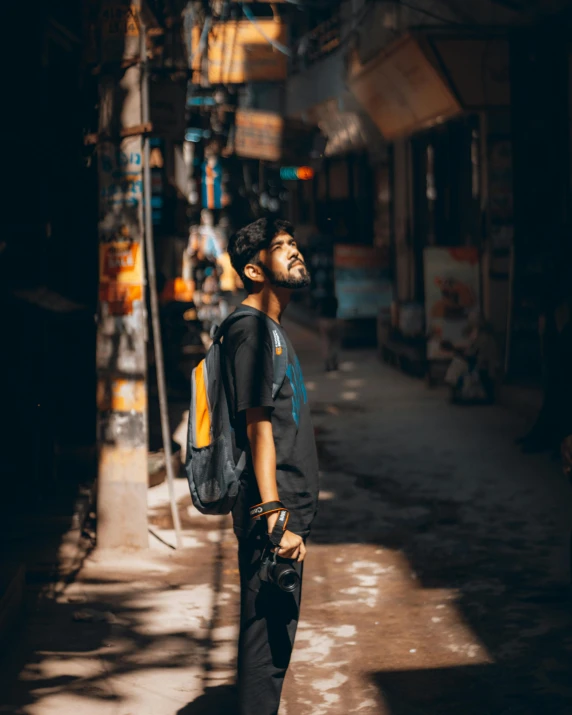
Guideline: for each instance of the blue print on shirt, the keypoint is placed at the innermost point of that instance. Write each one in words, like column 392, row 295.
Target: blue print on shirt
column 299, row 395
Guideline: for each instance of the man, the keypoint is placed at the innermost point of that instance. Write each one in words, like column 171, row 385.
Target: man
column 283, row 466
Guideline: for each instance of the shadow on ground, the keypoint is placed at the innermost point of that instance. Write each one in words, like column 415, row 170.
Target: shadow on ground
column 221, row 699
column 89, row 649
column 483, row 551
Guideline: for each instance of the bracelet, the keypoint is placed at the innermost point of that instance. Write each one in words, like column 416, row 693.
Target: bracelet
column 269, row 507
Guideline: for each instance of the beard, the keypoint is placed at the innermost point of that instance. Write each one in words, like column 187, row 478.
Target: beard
column 290, row 282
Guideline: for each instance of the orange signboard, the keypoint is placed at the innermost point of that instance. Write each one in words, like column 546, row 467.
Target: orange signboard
column 305, row 173
column 121, row 262
column 402, row 90
column 121, row 395
column 259, row 135
column 120, row 297
column 240, row 51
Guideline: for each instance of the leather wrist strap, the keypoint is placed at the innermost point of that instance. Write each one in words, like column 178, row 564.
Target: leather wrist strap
column 280, row 527
column 269, row 507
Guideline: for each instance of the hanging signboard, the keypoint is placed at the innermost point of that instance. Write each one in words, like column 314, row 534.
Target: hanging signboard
column 212, row 190
column 241, row 51
column 296, row 173
column 267, row 136
column 452, row 278
column 402, row 91
column 363, row 282
column 259, row 135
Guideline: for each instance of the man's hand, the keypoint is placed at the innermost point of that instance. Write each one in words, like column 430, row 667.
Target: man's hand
column 292, row 547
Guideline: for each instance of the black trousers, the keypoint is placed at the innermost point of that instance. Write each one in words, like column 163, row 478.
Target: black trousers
column 268, row 623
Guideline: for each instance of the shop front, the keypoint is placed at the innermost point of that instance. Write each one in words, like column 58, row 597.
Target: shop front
column 337, row 218
column 435, row 98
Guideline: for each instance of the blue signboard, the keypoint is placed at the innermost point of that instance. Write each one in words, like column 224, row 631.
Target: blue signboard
column 363, row 281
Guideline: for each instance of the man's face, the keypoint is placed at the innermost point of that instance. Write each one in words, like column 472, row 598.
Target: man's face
column 283, row 263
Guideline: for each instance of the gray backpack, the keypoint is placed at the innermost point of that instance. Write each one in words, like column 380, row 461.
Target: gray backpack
column 213, row 473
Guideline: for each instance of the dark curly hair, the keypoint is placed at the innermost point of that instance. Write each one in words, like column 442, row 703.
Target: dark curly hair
column 245, row 245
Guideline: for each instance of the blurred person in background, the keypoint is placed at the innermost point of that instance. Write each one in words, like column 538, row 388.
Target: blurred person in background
column 474, row 369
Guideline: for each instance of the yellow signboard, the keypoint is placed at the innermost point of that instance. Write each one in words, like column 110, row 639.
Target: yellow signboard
column 240, row 51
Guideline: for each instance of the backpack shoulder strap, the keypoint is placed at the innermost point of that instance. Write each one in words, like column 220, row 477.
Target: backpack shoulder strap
column 279, row 357
column 279, row 347
column 227, row 322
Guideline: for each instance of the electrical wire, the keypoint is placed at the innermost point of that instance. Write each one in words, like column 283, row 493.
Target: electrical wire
column 358, row 18
column 204, row 37
column 277, row 45
column 310, row 4
column 189, row 22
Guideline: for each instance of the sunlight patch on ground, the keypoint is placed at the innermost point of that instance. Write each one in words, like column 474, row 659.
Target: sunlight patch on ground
column 354, row 382
column 347, row 366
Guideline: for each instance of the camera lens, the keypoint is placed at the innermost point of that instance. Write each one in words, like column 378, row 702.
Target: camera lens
column 286, row 578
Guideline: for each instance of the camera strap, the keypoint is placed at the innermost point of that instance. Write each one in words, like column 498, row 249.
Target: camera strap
column 279, row 528
column 269, row 507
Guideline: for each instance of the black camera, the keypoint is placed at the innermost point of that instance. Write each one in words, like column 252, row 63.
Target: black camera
column 278, row 573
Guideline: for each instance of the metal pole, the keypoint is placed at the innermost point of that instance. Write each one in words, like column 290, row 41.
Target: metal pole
column 152, row 282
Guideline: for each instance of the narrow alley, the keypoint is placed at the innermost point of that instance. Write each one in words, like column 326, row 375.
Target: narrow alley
column 436, row 582
column 394, row 179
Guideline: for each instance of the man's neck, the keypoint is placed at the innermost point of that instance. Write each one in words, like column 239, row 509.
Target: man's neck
column 272, row 302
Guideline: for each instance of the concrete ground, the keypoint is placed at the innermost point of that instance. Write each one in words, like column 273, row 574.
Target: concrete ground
column 436, row 580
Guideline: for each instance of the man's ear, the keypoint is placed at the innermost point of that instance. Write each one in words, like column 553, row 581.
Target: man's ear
column 254, row 273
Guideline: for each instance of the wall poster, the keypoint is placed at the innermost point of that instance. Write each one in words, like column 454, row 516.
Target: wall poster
column 452, row 280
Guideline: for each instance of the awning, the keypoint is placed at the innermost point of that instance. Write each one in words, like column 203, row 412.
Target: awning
column 344, row 131
column 346, row 127
column 477, row 69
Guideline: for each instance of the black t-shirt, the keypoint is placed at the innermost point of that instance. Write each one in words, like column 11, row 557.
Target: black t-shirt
column 249, row 373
